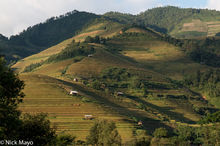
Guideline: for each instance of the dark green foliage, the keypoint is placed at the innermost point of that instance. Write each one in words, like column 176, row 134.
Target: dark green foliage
column 41, row 36
column 31, row 67
column 13, row 53
column 74, row 49
column 54, row 30
column 104, row 132
column 208, row 82
column 190, row 34
column 10, row 96
column 65, row 140
column 120, row 17
column 116, row 74
column 160, row 132
column 96, row 39
column 204, row 135
column 141, row 139
column 3, row 38
column 37, row 128
column 10, row 86
column 207, row 135
column 187, row 135
column 164, row 19
column 133, row 36
column 114, row 79
column 9, row 122
column 217, row 34
column 204, row 51
column 34, row 128
column 211, row 118
column 210, row 135
column 120, row 79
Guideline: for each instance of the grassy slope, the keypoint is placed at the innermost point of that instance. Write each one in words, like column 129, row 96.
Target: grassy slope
column 47, row 94
column 195, row 28
column 96, row 28
column 178, row 22
column 148, row 58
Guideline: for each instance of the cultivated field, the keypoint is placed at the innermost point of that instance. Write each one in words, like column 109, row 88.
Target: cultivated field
column 47, row 87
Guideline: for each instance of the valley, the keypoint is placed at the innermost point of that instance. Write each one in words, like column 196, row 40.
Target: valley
column 140, row 75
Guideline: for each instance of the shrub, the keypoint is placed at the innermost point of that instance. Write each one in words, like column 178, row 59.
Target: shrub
column 160, row 132
column 104, row 132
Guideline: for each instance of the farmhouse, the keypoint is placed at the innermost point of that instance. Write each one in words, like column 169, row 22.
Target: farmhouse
column 88, row 117
column 140, row 123
column 74, row 92
column 120, row 93
column 75, row 80
column 90, row 55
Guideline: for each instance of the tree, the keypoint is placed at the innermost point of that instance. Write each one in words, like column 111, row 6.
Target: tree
column 10, row 96
column 10, row 86
column 104, row 132
column 65, row 140
column 37, row 128
column 9, row 122
column 34, row 128
column 160, row 132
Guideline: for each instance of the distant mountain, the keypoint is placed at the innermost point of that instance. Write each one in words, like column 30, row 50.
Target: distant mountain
column 44, row 35
column 178, row 22
column 54, row 30
column 3, row 38
column 174, row 21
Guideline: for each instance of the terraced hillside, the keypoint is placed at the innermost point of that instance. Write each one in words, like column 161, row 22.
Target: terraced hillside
column 103, row 28
column 197, row 28
column 66, row 112
column 133, row 61
column 177, row 22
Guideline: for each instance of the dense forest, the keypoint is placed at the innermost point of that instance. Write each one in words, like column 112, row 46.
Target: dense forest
column 164, row 19
column 43, row 35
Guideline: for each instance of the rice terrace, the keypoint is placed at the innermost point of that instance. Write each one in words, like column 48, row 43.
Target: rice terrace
column 81, row 78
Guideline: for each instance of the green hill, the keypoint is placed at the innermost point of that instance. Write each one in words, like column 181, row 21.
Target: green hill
column 138, row 62
column 43, row 35
column 123, row 71
column 178, row 22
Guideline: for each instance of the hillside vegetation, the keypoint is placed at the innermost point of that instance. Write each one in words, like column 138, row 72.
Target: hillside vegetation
column 178, row 22
column 43, row 35
column 137, row 62
column 154, row 89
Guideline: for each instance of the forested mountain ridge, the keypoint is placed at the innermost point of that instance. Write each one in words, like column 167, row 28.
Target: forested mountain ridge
column 53, row 30
column 174, row 21
column 179, row 22
column 43, row 35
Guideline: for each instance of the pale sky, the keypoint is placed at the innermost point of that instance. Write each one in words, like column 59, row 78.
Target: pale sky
column 17, row 15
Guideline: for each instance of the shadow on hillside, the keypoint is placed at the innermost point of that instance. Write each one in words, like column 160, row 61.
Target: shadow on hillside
column 164, row 110
column 149, row 124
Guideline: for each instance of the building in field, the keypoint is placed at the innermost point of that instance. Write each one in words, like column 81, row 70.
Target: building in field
column 74, row 92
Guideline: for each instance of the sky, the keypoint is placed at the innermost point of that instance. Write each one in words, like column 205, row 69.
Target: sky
column 17, row 15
